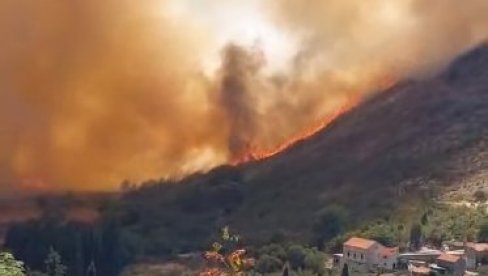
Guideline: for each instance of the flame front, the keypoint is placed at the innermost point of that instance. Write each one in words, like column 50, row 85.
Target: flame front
column 253, row 153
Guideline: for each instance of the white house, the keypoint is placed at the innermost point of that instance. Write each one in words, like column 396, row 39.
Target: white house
column 363, row 255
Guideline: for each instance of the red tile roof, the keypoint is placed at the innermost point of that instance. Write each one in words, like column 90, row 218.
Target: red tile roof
column 479, row 247
column 359, row 243
column 448, row 258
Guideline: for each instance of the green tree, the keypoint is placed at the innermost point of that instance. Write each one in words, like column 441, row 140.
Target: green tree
column 329, row 224
column 382, row 232
column 274, row 250
column 268, row 264
column 415, row 236
column 483, row 232
column 296, row 256
column 9, row 266
column 315, row 261
column 54, row 266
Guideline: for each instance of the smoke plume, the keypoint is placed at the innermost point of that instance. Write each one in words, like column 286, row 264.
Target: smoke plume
column 95, row 92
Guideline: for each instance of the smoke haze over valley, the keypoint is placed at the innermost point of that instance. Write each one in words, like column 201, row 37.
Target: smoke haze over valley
column 96, row 92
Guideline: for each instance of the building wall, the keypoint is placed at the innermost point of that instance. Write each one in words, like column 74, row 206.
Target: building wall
column 389, row 263
column 355, row 254
column 470, row 258
column 455, row 269
column 357, row 259
column 373, row 256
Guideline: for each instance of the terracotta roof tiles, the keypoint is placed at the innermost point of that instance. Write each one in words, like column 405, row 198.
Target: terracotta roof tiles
column 479, row 247
column 359, row 243
column 448, row 258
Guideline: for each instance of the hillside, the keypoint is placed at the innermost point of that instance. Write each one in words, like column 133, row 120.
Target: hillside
column 418, row 138
column 418, row 135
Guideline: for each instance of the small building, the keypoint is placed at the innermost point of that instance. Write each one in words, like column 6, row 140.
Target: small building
column 476, row 255
column 363, row 255
column 338, row 260
column 455, row 265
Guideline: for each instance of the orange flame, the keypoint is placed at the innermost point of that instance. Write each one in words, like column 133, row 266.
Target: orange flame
column 253, row 153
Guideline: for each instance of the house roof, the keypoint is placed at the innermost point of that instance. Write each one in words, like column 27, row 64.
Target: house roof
column 359, row 243
column 479, row 247
column 449, row 258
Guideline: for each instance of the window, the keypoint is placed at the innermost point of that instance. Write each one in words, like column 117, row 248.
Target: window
column 354, row 255
column 349, row 254
column 362, row 256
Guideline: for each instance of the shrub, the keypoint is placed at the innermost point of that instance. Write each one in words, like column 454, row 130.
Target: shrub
column 274, row 250
column 315, row 261
column 9, row 266
column 54, row 267
column 296, row 256
column 480, row 196
column 483, row 232
column 382, row 232
column 268, row 264
column 329, row 224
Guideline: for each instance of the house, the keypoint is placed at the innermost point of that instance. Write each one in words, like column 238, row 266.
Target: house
column 359, row 254
column 476, row 255
column 363, row 255
column 454, row 265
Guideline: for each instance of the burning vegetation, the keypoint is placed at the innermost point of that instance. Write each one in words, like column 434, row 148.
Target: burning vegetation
column 253, row 153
